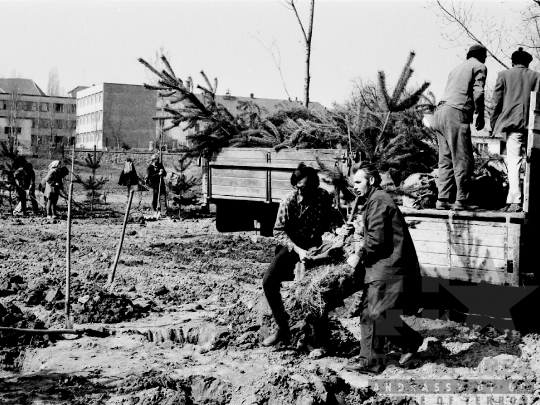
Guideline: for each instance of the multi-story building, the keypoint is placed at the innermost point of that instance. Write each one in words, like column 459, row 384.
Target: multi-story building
column 115, row 116
column 29, row 117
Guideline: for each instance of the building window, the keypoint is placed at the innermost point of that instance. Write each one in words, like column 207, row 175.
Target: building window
column 44, row 107
column 482, row 148
column 12, row 130
column 3, row 105
column 58, row 108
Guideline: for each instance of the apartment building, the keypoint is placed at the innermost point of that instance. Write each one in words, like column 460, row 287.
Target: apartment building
column 113, row 116
column 30, row 117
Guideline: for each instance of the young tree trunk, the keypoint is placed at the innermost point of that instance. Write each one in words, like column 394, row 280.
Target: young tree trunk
column 308, row 53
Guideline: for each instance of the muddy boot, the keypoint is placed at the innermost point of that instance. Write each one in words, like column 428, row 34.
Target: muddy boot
column 282, row 334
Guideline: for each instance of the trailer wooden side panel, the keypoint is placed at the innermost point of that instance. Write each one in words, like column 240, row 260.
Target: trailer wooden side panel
column 259, row 174
column 465, row 249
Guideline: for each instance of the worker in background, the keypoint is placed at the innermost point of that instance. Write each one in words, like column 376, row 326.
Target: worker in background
column 155, row 174
column 30, row 186
column 304, row 215
column 128, row 177
column 510, row 118
column 392, row 275
column 463, row 96
column 54, row 185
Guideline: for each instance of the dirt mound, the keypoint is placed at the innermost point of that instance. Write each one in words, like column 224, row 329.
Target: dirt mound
column 102, row 307
column 12, row 344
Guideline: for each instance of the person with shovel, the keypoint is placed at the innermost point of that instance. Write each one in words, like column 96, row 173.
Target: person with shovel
column 387, row 258
column 304, row 215
column 155, row 178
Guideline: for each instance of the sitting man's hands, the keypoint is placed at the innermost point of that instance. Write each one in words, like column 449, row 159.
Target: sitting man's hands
column 353, row 260
column 346, row 229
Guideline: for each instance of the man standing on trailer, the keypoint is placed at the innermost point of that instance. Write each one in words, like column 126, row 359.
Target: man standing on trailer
column 463, row 96
column 304, row 215
column 392, row 276
column 510, row 118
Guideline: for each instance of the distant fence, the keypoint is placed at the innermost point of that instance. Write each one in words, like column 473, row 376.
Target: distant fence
column 168, row 158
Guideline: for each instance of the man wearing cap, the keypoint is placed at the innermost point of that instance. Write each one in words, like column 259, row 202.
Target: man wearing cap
column 510, row 118
column 463, row 96
column 155, row 174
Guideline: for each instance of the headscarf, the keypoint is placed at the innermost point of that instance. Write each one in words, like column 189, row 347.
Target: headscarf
column 155, row 156
column 54, row 165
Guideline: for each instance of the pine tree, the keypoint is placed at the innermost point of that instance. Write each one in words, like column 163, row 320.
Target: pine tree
column 92, row 184
column 401, row 99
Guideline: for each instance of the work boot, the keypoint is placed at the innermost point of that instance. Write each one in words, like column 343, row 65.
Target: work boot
column 443, row 205
column 514, row 207
column 463, row 206
column 282, row 334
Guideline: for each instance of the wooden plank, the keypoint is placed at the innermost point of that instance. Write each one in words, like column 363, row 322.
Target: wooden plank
column 474, row 230
column 305, row 154
column 242, row 153
column 430, row 247
column 516, row 256
column 281, row 184
column 494, row 215
column 243, row 173
column 480, row 263
column 230, row 164
column 426, row 225
column 439, row 259
column 428, row 235
column 239, row 182
column 241, row 198
column 489, row 252
column 238, row 191
column 465, row 274
column 477, row 239
column 531, row 192
column 282, row 175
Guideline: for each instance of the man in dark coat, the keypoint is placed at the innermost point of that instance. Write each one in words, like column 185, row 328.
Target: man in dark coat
column 463, row 96
column 510, row 118
column 392, row 276
column 155, row 178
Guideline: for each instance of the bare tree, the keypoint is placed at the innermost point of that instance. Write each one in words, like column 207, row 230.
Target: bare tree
column 307, row 39
column 16, row 108
column 530, row 28
column 465, row 24
column 53, row 85
column 273, row 49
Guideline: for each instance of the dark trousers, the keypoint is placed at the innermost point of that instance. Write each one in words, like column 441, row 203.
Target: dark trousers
column 162, row 203
column 456, row 160
column 281, row 269
column 382, row 304
column 21, row 194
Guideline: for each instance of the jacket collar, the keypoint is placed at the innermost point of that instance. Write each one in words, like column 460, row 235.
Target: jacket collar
column 371, row 192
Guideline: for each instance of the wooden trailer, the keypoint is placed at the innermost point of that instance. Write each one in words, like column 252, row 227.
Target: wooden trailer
column 483, row 246
column 247, row 184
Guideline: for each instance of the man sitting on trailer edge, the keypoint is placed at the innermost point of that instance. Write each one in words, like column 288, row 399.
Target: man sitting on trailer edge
column 392, row 276
column 304, row 215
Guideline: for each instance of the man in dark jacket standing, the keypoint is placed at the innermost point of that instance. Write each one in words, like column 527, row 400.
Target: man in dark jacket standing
column 510, row 118
column 392, row 276
column 463, row 96
column 155, row 174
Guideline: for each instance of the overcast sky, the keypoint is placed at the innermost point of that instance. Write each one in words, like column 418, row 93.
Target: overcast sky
column 92, row 42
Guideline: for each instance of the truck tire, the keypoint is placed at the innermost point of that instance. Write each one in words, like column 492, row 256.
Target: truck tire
column 233, row 216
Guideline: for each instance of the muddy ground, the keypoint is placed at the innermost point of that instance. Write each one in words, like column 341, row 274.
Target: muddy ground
column 182, row 324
